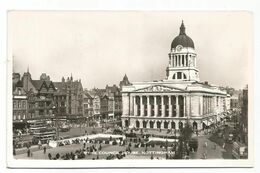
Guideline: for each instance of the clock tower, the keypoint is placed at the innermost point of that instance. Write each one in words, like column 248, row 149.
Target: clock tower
column 182, row 59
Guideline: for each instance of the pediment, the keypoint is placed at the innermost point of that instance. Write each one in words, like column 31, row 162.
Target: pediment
column 159, row 88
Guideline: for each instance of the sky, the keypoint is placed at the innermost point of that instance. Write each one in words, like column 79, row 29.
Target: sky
column 100, row 47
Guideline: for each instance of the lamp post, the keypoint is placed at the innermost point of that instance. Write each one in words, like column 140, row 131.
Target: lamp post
column 56, row 122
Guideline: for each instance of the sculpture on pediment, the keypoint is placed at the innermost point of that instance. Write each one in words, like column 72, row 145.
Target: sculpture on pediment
column 157, row 89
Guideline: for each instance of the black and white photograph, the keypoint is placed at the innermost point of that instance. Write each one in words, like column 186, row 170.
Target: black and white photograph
column 131, row 85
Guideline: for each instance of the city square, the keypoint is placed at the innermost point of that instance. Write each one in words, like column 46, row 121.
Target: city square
column 179, row 116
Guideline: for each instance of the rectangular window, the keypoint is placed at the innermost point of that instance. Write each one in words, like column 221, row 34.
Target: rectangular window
column 14, row 104
column 179, row 75
column 24, row 104
column 19, row 104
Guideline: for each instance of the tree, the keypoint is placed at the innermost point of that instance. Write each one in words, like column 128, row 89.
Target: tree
column 185, row 136
column 186, row 132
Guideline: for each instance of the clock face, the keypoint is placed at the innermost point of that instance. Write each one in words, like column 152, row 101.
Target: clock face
column 179, row 48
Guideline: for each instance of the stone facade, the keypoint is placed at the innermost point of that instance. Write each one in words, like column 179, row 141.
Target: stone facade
column 170, row 103
column 72, row 93
column 20, row 102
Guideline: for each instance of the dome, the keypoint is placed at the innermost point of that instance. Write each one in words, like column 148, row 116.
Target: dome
column 182, row 39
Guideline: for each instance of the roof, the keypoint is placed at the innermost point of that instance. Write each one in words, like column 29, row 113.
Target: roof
column 59, row 87
column 112, row 89
column 182, row 39
column 19, row 84
column 38, row 83
column 86, row 94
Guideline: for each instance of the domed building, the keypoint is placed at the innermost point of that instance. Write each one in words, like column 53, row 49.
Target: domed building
column 177, row 99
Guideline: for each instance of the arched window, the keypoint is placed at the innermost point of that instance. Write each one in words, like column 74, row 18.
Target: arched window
column 174, row 76
column 158, row 124
column 137, row 124
column 179, row 75
column 180, row 125
column 184, row 76
column 151, row 124
column 144, row 124
column 165, row 125
column 173, row 125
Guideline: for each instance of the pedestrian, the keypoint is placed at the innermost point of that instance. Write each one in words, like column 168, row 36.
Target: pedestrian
column 28, row 152
column 39, row 144
column 204, row 155
column 206, row 144
column 44, row 149
column 215, row 147
column 224, row 144
column 49, row 156
column 14, row 152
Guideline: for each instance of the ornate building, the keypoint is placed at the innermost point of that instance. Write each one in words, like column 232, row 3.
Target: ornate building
column 87, row 105
column 40, row 96
column 180, row 97
column 20, row 102
column 69, row 97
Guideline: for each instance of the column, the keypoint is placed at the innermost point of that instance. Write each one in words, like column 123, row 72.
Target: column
column 148, row 106
column 177, row 106
column 141, row 106
column 208, row 105
column 184, row 60
column 155, row 107
column 135, row 106
column 176, row 125
column 170, row 106
column 173, row 59
column 163, row 107
column 131, row 106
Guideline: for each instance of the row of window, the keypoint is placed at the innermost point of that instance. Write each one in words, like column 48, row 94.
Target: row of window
column 19, row 117
column 157, row 124
column 160, row 111
column 180, row 60
column 166, row 100
column 19, row 104
column 207, row 105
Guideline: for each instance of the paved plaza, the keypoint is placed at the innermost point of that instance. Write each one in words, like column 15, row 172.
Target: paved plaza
column 213, row 150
